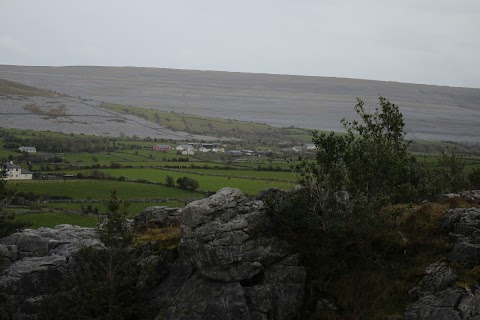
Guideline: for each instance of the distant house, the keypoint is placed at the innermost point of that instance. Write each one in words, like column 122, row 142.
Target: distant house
column 184, row 147
column 15, row 172
column 162, row 147
column 27, row 149
column 248, row 152
column 203, row 149
column 235, row 152
column 309, row 147
column 188, row 152
column 218, row 149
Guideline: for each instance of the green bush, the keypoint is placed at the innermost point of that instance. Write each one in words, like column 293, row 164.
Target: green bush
column 188, row 183
column 341, row 217
column 474, row 179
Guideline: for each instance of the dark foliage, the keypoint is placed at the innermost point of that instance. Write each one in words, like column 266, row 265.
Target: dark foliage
column 188, row 183
column 108, row 282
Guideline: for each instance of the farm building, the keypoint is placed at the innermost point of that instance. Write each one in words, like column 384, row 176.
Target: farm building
column 203, row 149
column 15, row 172
column 162, row 147
column 184, row 147
column 188, row 152
column 27, row 149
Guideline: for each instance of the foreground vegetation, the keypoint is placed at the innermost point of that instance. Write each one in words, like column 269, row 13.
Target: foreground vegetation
column 356, row 218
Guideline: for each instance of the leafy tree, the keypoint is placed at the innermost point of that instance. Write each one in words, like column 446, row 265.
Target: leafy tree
column 338, row 208
column 450, row 173
column 169, row 181
column 369, row 165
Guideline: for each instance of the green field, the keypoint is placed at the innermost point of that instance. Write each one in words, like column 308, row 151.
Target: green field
column 51, row 219
column 212, row 126
column 207, row 182
column 133, row 208
column 100, row 189
column 266, row 175
column 10, row 87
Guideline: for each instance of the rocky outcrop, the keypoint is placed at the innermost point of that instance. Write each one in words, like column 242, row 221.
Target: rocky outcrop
column 32, row 261
column 228, row 264
column 471, row 196
column 437, row 300
column 158, row 217
column 464, row 227
column 239, row 270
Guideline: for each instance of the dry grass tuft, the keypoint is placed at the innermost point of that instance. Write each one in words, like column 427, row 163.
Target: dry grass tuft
column 166, row 238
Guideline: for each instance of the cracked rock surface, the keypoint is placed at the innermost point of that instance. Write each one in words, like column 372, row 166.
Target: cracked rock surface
column 228, row 264
column 32, row 260
column 438, row 301
column 238, row 268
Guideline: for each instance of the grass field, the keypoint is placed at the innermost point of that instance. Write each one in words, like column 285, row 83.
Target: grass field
column 15, row 88
column 207, row 183
column 267, row 175
column 212, row 126
column 100, row 189
column 133, row 207
column 51, row 219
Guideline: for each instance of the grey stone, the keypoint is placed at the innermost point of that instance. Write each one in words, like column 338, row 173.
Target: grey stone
column 227, row 266
column 439, row 276
column 39, row 258
column 203, row 299
column 157, row 216
column 225, row 238
column 437, row 300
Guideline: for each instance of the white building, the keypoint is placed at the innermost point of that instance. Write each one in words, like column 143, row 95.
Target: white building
column 188, row 152
column 203, row 149
column 218, row 149
column 27, row 149
column 15, row 172
column 184, row 147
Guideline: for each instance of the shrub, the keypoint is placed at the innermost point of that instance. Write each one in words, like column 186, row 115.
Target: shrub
column 188, row 183
column 474, row 179
column 169, row 181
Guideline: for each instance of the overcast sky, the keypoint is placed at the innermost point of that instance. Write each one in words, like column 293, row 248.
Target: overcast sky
column 418, row 41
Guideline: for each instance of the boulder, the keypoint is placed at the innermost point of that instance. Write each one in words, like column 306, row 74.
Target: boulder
column 438, row 301
column 37, row 260
column 439, row 276
column 157, row 216
column 239, row 269
column 226, row 236
column 464, row 228
column 201, row 298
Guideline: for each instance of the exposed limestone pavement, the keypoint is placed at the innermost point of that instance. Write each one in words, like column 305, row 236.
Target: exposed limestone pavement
column 228, row 264
column 239, row 270
column 33, row 260
column 438, row 300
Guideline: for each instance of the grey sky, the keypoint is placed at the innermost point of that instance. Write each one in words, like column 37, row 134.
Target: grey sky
column 419, row 41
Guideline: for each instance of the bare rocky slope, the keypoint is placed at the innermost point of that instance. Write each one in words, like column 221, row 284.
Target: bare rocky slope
column 28, row 108
column 430, row 112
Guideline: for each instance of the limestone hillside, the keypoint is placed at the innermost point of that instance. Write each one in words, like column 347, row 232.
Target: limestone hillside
column 430, row 112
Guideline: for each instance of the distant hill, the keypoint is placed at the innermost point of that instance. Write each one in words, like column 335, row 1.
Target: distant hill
column 431, row 112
